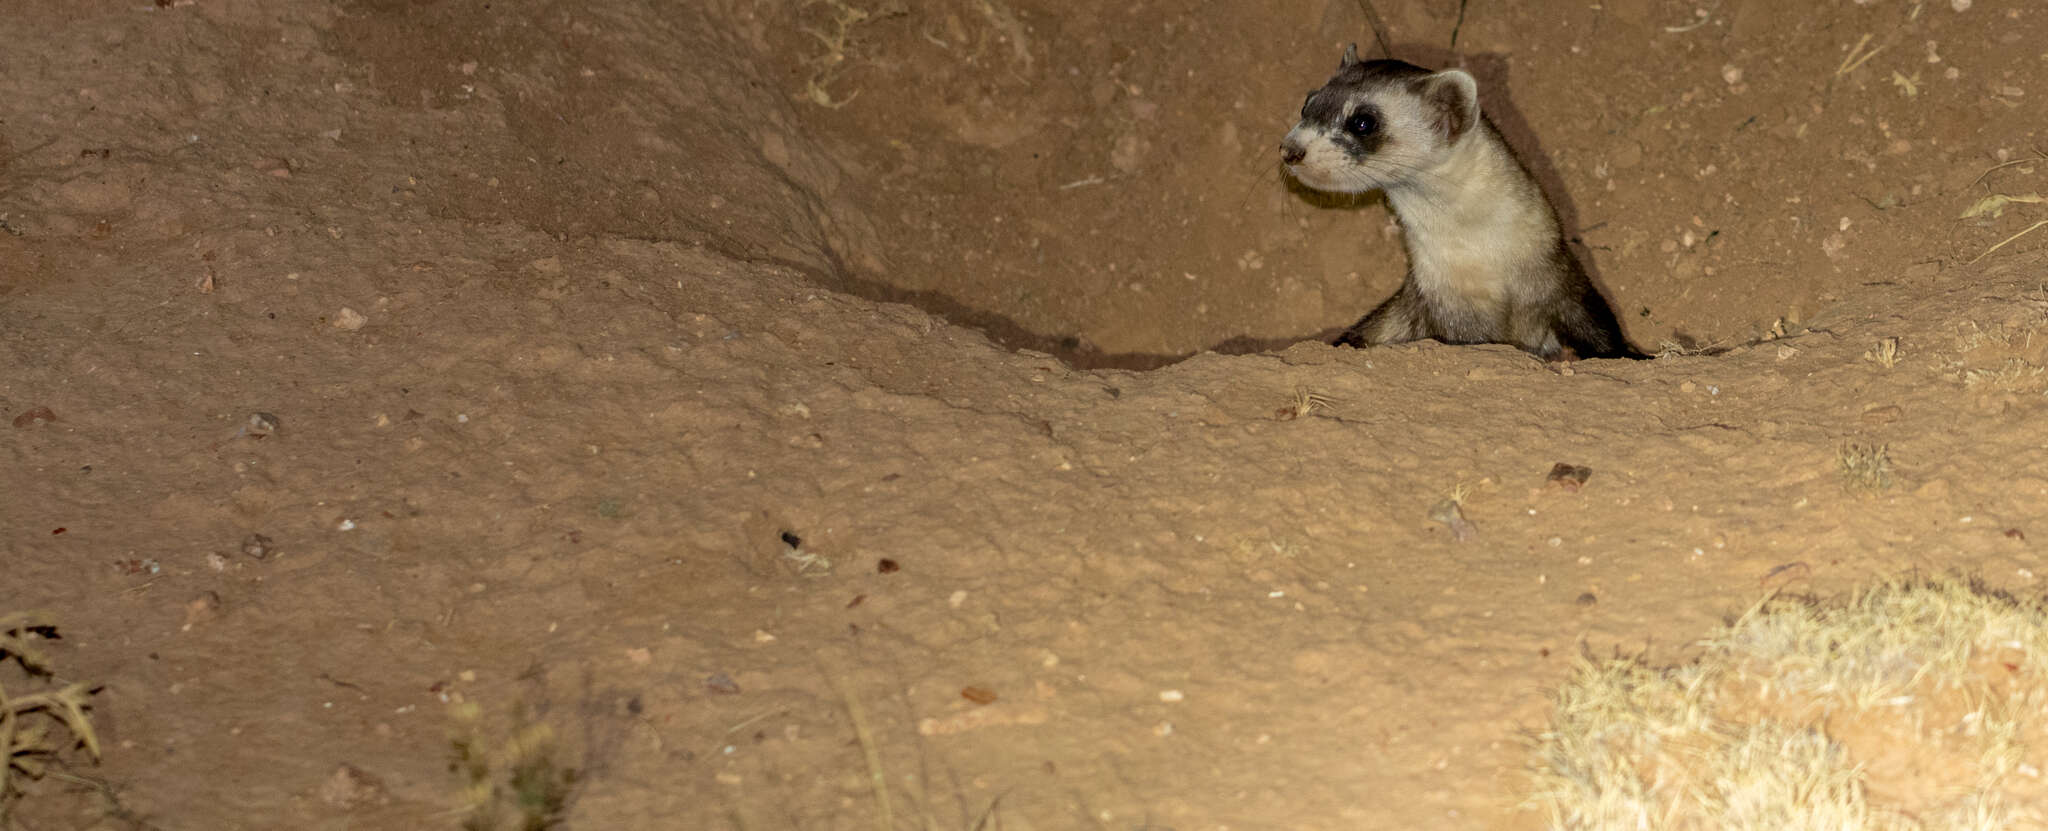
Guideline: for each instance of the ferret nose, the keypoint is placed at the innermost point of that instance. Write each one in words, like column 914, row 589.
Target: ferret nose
column 1292, row 154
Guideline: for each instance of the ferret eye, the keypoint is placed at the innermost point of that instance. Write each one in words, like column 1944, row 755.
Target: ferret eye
column 1305, row 102
column 1362, row 123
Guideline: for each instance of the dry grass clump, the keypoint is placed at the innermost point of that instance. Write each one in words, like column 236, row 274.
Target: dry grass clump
column 1306, row 403
column 1864, row 467
column 1996, row 359
column 1916, row 704
column 513, row 782
column 35, row 728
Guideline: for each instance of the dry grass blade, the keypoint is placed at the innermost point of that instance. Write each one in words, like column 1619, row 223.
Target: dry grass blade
column 878, row 778
column 1857, row 57
column 1674, row 349
column 9, row 734
column 2002, row 243
column 28, row 745
column 1996, row 203
column 981, row 823
column 16, row 630
column 1306, row 402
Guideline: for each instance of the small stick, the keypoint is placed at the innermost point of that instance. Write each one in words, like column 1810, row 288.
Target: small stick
column 743, row 725
column 2037, row 157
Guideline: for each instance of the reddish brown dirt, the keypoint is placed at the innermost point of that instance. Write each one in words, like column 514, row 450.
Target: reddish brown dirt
column 569, row 312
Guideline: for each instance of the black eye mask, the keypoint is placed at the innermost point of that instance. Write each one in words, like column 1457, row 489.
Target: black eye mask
column 1363, row 122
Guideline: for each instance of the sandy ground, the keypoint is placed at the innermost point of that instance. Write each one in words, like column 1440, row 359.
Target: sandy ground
column 690, row 376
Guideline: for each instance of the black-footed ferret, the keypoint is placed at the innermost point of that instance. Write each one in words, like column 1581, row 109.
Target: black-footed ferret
column 1487, row 262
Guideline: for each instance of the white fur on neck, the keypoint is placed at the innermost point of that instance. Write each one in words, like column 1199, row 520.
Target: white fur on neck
column 1472, row 222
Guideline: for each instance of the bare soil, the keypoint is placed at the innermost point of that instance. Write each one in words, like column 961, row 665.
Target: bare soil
column 688, row 376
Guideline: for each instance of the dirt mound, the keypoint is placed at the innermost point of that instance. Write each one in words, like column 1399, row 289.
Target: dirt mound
column 401, row 355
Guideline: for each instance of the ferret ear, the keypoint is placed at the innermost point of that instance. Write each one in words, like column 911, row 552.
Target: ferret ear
column 1350, row 57
column 1454, row 97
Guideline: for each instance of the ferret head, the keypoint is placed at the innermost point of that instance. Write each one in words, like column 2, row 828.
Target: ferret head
column 1379, row 125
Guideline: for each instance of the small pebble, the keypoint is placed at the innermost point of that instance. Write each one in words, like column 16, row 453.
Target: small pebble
column 1569, row 477
column 1452, row 516
column 350, row 787
column 201, row 609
